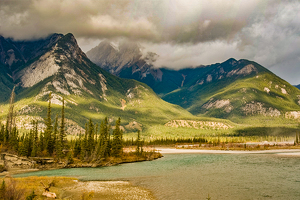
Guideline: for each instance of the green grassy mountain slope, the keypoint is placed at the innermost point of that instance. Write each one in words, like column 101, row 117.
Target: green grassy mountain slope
column 236, row 90
column 89, row 91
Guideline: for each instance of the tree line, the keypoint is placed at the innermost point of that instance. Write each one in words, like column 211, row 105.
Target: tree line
column 91, row 145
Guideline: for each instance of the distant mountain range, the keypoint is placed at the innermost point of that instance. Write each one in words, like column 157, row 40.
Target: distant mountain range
column 57, row 64
column 297, row 86
column 239, row 90
column 233, row 89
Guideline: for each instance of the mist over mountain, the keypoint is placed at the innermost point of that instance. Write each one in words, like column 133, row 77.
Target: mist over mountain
column 238, row 90
column 224, row 90
column 57, row 65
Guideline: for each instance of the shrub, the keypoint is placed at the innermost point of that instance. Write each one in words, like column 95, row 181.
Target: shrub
column 9, row 190
column 31, row 196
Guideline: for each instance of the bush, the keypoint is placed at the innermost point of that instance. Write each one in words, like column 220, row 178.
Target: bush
column 31, row 196
column 9, row 190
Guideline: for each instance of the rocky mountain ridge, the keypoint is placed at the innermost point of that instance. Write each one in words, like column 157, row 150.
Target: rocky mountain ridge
column 229, row 89
column 90, row 92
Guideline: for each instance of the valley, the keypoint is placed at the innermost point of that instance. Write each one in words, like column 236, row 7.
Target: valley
column 220, row 99
column 60, row 110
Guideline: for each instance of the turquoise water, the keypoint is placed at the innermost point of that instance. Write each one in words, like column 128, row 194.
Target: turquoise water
column 194, row 176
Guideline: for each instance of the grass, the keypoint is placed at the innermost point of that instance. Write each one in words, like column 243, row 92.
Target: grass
column 240, row 91
column 73, row 189
column 33, row 183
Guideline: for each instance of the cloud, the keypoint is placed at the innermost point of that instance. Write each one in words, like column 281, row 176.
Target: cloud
column 177, row 21
column 184, row 33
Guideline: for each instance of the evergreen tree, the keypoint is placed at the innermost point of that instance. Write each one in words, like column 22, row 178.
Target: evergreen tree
column 2, row 133
column 14, row 139
column 62, row 134
column 104, row 139
column 35, row 140
column 117, row 145
column 55, row 134
column 77, row 147
column 49, row 128
column 96, row 134
column 23, row 149
column 90, row 142
column 10, row 115
column 84, row 144
column 139, row 147
column 60, row 140
column 41, row 143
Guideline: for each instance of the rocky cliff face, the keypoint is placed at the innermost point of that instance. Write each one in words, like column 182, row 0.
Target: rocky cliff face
column 60, row 67
column 15, row 54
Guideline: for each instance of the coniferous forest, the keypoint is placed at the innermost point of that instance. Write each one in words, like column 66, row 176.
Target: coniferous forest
column 97, row 144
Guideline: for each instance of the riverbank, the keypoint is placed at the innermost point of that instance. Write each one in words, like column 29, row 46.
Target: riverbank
column 72, row 188
column 13, row 164
column 291, row 152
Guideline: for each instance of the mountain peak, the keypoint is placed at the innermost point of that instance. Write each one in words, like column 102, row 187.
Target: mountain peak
column 115, row 56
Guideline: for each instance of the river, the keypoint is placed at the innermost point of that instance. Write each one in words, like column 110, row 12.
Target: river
column 197, row 175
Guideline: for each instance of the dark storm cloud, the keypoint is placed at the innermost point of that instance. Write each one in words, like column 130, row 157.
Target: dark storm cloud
column 177, row 21
column 183, row 32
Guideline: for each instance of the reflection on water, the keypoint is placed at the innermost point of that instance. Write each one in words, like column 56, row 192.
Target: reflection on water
column 194, row 176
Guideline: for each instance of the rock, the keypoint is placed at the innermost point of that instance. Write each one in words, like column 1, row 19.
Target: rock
column 49, row 195
column 198, row 124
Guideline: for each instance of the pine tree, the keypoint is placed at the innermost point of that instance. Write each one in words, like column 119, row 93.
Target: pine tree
column 105, row 139
column 35, row 140
column 10, row 115
column 55, row 134
column 2, row 133
column 139, row 148
column 62, row 134
column 60, row 141
column 91, row 136
column 41, row 143
column 117, row 145
column 96, row 134
column 22, row 147
column 49, row 129
column 77, row 147
column 84, row 144
column 14, row 139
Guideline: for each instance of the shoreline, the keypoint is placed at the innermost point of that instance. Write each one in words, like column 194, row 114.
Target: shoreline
column 293, row 152
column 73, row 188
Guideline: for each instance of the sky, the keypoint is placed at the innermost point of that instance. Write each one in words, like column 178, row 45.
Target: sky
column 184, row 33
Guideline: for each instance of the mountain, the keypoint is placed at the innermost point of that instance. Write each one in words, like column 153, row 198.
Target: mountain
column 127, row 60
column 297, row 86
column 16, row 54
column 57, row 64
column 234, row 89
